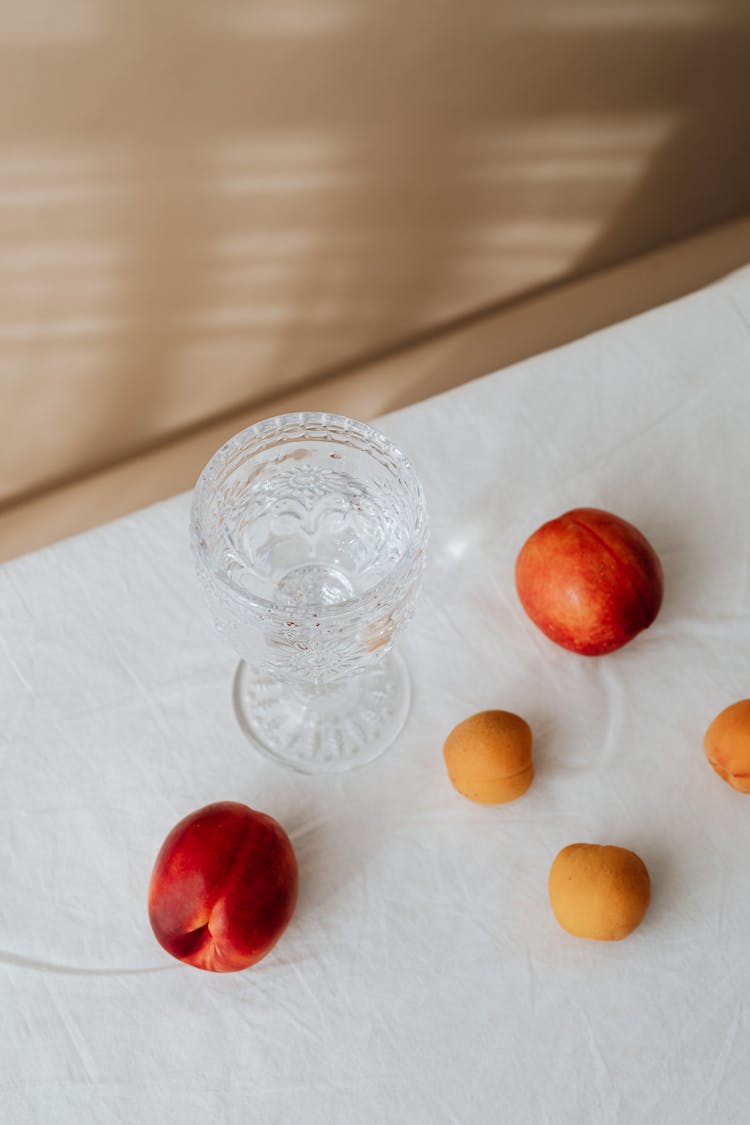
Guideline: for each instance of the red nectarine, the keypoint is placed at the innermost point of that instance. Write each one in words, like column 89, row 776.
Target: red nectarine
column 589, row 580
column 223, row 888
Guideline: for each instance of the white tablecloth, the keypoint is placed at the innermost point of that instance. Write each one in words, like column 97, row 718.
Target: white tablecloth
column 423, row 978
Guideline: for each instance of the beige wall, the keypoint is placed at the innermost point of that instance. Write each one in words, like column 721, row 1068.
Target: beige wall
column 203, row 204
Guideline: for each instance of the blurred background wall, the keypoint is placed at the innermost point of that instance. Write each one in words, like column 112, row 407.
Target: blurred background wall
column 208, row 205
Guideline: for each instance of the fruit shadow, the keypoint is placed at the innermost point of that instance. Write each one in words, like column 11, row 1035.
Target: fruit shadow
column 329, row 857
column 668, row 884
column 545, row 727
column 330, row 835
column 687, row 561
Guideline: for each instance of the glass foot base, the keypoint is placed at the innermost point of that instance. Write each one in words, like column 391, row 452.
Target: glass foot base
column 349, row 725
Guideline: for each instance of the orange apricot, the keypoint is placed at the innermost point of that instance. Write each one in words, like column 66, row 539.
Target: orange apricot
column 727, row 745
column 599, row 891
column 488, row 757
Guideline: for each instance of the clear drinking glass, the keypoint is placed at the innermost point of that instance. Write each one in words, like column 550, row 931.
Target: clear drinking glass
column 308, row 533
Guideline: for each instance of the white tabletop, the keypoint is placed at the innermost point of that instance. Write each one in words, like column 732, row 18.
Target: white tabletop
column 423, row 978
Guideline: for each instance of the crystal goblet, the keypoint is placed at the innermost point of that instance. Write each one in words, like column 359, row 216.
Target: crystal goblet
column 308, row 532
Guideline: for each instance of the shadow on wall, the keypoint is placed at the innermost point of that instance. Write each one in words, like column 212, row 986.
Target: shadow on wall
column 700, row 174
column 202, row 205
